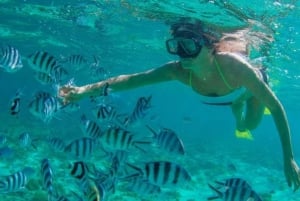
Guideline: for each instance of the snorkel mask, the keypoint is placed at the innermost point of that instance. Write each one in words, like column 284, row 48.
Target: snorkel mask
column 186, row 43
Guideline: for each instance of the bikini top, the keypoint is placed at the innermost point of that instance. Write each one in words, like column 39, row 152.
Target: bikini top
column 221, row 100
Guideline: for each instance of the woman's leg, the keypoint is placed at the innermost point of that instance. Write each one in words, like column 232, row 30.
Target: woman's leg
column 249, row 117
column 238, row 112
column 254, row 113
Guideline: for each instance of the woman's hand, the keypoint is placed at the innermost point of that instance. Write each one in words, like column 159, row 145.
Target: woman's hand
column 292, row 173
column 70, row 93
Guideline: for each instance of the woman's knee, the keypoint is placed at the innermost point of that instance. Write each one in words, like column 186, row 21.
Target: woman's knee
column 252, row 124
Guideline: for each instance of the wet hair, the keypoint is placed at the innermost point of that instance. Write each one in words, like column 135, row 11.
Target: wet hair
column 236, row 40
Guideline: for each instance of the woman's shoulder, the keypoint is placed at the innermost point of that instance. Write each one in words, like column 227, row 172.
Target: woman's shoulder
column 224, row 57
column 233, row 64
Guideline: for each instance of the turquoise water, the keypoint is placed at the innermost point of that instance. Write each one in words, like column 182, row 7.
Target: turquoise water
column 128, row 37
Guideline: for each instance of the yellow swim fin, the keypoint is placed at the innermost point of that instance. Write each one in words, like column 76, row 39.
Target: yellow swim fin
column 246, row 134
column 267, row 111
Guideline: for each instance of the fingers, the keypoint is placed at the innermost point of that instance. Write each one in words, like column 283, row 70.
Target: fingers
column 64, row 93
column 293, row 177
column 297, row 183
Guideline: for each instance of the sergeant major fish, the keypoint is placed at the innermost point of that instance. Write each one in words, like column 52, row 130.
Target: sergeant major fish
column 168, row 140
column 10, row 59
column 76, row 61
column 47, row 177
column 234, row 182
column 142, row 106
column 44, row 78
column 90, row 128
column 56, row 144
column 81, row 148
column 162, row 173
column 117, row 138
column 107, row 114
column 15, row 182
column 45, row 106
column 236, row 193
column 44, row 62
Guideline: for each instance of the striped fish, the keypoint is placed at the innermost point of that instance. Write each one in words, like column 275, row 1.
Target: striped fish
column 90, row 128
column 81, row 170
column 107, row 114
column 168, row 140
column 56, row 144
column 229, row 183
column 98, row 72
column 234, row 182
column 82, row 148
column 10, row 59
column 236, row 193
column 13, row 183
column 117, row 138
column 106, row 184
column 44, row 78
column 162, row 173
column 47, row 176
column 44, row 62
column 59, row 74
column 140, row 111
column 120, row 155
column 76, row 61
column 42, row 94
column 118, row 159
column 142, row 186
column 44, row 107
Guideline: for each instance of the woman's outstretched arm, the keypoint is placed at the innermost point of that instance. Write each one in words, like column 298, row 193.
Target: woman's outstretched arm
column 119, row 83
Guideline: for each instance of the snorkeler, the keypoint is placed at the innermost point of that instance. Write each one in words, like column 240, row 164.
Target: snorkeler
column 217, row 71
